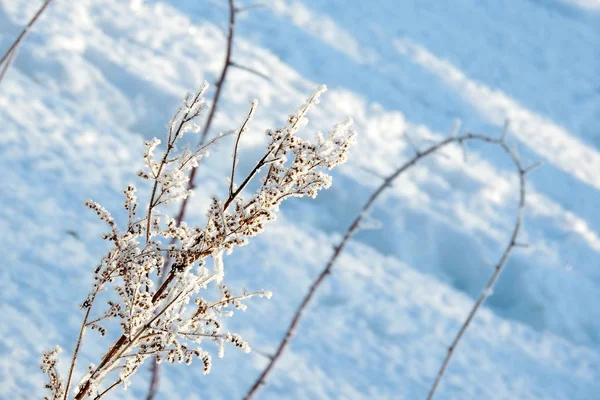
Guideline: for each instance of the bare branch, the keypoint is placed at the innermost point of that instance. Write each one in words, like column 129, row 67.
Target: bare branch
column 11, row 52
column 532, row 167
column 251, row 70
column 263, row 353
column 354, row 227
column 79, row 341
column 7, row 64
column 108, row 389
column 222, row 77
column 261, row 163
column 237, row 142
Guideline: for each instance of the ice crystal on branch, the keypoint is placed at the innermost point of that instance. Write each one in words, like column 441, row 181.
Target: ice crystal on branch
column 55, row 383
column 172, row 320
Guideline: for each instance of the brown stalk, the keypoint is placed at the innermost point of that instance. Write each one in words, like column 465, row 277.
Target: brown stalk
column 78, row 345
column 12, row 50
column 250, row 70
column 355, row 225
column 108, row 389
column 7, row 64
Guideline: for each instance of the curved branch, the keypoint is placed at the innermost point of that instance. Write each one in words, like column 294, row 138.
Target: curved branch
column 7, row 64
column 487, row 291
column 354, row 227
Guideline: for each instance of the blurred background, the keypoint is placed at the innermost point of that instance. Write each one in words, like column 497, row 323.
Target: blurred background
column 93, row 80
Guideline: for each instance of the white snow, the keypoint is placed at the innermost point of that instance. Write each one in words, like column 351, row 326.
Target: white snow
column 93, row 80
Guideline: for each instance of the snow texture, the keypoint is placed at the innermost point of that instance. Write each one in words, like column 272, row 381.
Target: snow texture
column 94, row 80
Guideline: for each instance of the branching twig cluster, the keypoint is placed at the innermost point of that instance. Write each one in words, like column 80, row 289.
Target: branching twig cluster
column 170, row 321
column 356, row 225
column 9, row 55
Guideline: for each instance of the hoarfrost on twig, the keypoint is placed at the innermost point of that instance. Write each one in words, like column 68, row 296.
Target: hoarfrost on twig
column 171, row 320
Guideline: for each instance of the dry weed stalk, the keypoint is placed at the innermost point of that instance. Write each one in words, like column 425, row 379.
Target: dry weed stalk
column 170, row 321
column 219, row 85
column 9, row 55
column 355, row 227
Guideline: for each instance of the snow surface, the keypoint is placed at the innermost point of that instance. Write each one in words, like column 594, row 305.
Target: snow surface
column 94, row 79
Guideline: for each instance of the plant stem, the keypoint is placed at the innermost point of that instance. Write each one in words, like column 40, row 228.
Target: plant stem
column 76, row 351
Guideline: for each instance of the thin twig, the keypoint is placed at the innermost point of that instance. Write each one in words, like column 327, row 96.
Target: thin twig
column 79, row 341
column 261, row 163
column 354, row 227
column 463, row 147
column 251, row 70
column 7, row 64
column 263, row 353
column 237, row 142
column 223, row 76
column 13, row 48
column 108, row 389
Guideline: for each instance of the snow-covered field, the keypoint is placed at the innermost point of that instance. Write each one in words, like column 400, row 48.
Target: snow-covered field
column 96, row 78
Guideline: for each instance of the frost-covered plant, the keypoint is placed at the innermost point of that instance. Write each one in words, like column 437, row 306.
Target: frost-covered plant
column 170, row 321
